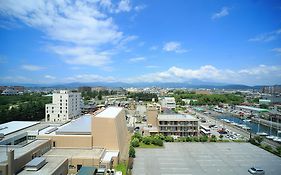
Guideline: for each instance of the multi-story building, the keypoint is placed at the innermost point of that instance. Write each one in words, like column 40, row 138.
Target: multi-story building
column 168, row 103
column 276, row 89
column 177, row 125
column 66, row 105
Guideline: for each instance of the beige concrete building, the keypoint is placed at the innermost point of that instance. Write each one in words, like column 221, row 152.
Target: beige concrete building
column 101, row 140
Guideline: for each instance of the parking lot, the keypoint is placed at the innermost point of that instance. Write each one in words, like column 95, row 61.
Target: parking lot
column 204, row 158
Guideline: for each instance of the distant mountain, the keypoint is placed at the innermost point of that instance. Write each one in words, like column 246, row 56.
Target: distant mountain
column 189, row 84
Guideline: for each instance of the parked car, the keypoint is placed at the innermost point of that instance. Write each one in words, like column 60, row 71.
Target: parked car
column 256, row 170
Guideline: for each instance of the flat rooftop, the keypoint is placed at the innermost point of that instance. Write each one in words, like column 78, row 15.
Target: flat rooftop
column 95, row 153
column 48, row 168
column 14, row 126
column 82, row 125
column 177, row 117
column 109, row 112
column 205, row 158
column 19, row 151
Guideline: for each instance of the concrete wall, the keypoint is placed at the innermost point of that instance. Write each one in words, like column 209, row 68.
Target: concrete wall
column 152, row 114
column 3, row 169
column 111, row 133
column 70, row 141
column 62, row 169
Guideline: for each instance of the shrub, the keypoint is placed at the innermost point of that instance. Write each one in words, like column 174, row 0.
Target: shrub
column 188, row 139
column 169, row 139
column 135, row 142
column 278, row 150
column 268, row 148
column 147, row 140
column 158, row 142
column 258, row 139
column 213, row 138
column 132, row 152
column 221, row 136
column 160, row 136
column 195, row 139
column 138, row 136
column 182, row 139
column 253, row 141
column 203, row 138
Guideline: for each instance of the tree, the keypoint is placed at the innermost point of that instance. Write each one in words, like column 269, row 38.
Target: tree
column 135, row 142
column 132, row 152
column 146, row 140
column 138, row 136
column 221, row 136
column 99, row 96
column 169, row 139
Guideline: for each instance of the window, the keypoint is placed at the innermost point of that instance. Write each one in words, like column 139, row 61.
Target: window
column 48, row 117
column 60, row 104
column 54, row 144
column 58, row 115
column 60, row 107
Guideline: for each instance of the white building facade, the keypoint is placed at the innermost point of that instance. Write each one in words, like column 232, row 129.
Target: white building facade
column 66, row 105
column 168, row 103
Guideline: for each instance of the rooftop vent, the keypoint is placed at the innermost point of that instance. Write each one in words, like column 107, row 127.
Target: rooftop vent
column 35, row 164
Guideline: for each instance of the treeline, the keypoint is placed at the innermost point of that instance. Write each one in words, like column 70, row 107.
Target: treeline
column 87, row 95
column 141, row 96
column 27, row 107
column 208, row 99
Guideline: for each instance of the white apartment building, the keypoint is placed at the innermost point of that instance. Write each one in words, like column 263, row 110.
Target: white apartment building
column 168, row 103
column 66, row 105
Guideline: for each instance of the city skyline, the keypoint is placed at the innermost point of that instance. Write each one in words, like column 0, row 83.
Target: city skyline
column 234, row 42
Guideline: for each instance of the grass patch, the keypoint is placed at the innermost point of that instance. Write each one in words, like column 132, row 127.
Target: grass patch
column 142, row 145
column 121, row 167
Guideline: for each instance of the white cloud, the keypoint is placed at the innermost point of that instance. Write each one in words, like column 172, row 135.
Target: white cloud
column 137, row 59
column 30, row 67
column 173, row 46
column 124, row 6
column 50, row 77
column 153, row 48
column 266, row 37
column 261, row 74
column 90, row 78
column 139, row 7
column 72, row 25
column 278, row 50
column 223, row 12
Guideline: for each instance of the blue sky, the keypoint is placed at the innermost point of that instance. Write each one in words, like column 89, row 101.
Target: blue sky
column 140, row 41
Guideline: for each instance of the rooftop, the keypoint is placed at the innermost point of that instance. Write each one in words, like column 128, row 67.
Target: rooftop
column 183, row 117
column 13, row 126
column 109, row 112
column 94, row 153
column 81, row 125
column 108, row 155
column 48, row 168
column 19, row 151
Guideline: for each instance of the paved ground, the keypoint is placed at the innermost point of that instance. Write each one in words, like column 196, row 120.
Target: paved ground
column 204, row 159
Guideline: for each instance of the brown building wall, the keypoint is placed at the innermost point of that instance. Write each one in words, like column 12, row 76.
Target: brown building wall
column 70, row 141
column 152, row 114
column 111, row 133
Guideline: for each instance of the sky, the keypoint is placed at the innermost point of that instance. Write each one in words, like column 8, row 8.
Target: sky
column 133, row 41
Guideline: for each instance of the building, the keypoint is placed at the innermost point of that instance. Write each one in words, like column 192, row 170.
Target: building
column 99, row 140
column 168, row 103
column 177, row 125
column 276, row 89
column 66, row 105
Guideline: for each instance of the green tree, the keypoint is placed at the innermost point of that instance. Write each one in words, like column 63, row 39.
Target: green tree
column 213, row 138
column 135, row 142
column 221, row 136
column 132, row 152
column 147, row 140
